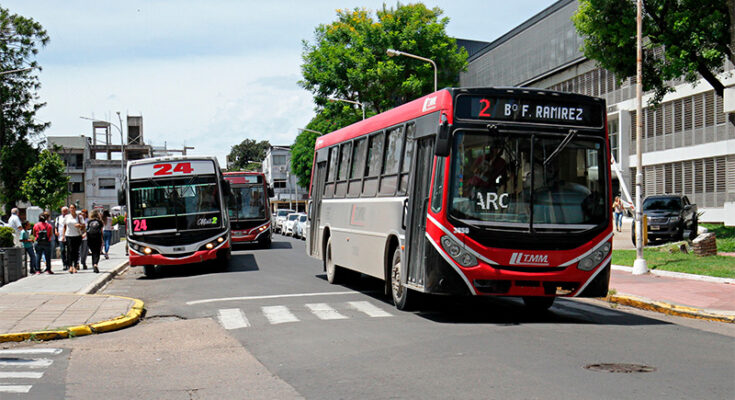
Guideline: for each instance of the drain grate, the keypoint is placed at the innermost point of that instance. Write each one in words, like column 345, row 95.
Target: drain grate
column 619, row 368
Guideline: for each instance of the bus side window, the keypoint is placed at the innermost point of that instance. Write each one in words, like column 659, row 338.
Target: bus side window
column 372, row 170
column 437, row 193
column 344, row 162
column 391, row 161
column 331, row 172
column 407, row 158
column 357, row 169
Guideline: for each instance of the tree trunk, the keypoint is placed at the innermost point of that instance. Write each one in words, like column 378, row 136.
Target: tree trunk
column 712, row 79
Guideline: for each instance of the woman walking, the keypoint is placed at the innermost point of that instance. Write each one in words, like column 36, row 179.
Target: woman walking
column 107, row 232
column 27, row 240
column 618, row 213
column 94, row 237
column 73, row 228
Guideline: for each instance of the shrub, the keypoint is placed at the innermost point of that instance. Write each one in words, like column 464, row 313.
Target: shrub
column 6, row 237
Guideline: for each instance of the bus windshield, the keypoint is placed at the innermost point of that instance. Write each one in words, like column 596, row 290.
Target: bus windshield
column 174, row 204
column 247, row 202
column 496, row 178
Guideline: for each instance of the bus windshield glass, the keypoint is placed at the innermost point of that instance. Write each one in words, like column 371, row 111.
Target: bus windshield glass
column 496, row 179
column 247, row 202
column 174, row 204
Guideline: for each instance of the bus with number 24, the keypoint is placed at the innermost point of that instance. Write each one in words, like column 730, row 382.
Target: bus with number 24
column 177, row 212
column 469, row 191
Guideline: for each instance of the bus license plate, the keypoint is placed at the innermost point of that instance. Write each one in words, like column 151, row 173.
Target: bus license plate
column 179, row 248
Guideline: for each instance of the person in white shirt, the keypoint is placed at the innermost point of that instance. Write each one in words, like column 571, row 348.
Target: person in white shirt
column 72, row 233
column 60, row 241
column 17, row 225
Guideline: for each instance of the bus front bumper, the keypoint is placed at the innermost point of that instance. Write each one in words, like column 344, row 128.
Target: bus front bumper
column 160, row 259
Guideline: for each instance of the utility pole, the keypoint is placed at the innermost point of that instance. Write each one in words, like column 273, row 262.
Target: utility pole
column 639, row 265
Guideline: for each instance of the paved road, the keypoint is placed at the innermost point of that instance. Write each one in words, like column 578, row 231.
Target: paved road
column 331, row 341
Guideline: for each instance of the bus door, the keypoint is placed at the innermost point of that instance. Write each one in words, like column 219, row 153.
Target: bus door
column 315, row 211
column 418, row 200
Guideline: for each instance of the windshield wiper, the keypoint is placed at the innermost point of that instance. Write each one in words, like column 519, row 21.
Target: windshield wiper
column 572, row 133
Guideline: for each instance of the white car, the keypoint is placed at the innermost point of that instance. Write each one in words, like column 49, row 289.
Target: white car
column 291, row 220
column 280, row 221
column 300, row 228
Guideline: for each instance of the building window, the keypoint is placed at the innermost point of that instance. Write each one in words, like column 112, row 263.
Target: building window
column 107, row 183
column 613, row 130
column 279, row 159
column 279, row 184
column 76, row 187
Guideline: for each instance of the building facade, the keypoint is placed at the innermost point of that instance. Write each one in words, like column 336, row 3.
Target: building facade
column 277, row 170
column 688, row 141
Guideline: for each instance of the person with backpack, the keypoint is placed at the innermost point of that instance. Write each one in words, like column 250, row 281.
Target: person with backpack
column 95, row 226
column 27, row 240
column 44, row 232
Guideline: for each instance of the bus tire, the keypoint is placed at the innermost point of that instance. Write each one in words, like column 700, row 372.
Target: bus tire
column 265, row 243
column 223, row 259
column 538, row 304
column 403, row 298
column 334, row 273
column 149, row 271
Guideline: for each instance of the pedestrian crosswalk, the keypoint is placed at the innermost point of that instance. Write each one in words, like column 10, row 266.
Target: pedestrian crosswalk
column 20, row 367
column 235, row 318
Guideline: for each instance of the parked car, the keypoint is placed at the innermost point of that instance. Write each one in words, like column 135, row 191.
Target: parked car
column 300, row 228
column 670, row 217
column 279, row 222
column 291, row 220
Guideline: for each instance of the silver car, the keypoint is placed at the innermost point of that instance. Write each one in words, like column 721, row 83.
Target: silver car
column 280, row 221
column 300, row 227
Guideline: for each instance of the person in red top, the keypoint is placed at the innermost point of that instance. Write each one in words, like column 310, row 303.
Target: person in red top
column 487, row 168
column 43, row 231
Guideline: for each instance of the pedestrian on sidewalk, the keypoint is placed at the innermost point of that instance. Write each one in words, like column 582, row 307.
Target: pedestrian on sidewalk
column 618, row 213
column 94, row 238
column 43, row 231
column 73, row 227
column 27, row 240
column 84, row 249
column 17, row 225
column 60, row 240
column 107, row 232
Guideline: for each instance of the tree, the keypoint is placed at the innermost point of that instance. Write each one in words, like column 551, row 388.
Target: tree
column 348, row 57
column 46, row 184
column 332, row 117
column 20, row 40
column 686, row 38
column 247, row 155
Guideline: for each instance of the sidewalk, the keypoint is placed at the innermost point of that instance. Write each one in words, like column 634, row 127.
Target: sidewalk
column 60, row 305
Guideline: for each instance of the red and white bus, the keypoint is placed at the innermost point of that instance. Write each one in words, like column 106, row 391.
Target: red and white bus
column 176, row 212
column 249, row 208
column 480, row 191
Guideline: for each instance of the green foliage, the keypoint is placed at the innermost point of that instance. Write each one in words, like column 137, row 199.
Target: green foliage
column 46, row 184
column 6, row 236
column 119, row 220
column 719, row 266
column 247, row 155
column 681, row 38
column 20, row 39
column 725, row 236
column 348, row 56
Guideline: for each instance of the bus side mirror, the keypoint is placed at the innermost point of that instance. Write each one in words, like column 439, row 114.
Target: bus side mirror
column 271, row 192
column 121, row 199
column 226, row 187
column 443, row 138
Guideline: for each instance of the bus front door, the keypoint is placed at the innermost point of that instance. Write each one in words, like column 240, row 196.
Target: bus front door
column 418, row 200
column 314, row 217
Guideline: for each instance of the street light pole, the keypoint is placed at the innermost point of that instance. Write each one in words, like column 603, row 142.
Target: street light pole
column 350, row 101
column 12, row 71
column 392, row 53
column 639, row 265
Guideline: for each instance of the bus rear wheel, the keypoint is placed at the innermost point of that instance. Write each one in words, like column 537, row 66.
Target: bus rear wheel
column 538, row 304
column 334, row 273
column 403, row 298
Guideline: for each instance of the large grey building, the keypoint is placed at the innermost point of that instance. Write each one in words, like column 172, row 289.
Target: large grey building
column 688, row 141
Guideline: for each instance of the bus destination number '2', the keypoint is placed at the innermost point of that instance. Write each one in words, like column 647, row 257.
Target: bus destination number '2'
column 169, row 169
column 140, row 225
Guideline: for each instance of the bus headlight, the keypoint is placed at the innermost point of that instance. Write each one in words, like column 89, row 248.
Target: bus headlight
column 595, row 258
column 458, row 254
column 147, row 250
column 220, row 239
column 209, row 246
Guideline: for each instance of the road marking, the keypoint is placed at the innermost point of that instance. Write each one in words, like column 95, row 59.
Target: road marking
column 279, row 315
column 20, row 362
column 15, row 388
column 30, row 351
column 232, row 318
column 369, row 309
column 324, row 311
column 276, row 296
column 22, row 375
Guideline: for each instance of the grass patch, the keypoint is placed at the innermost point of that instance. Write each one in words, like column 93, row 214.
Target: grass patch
column 662, row 259
column 725, row 236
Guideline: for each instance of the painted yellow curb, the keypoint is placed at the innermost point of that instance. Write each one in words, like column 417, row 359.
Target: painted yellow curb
column 132, row 316
column 668, row 308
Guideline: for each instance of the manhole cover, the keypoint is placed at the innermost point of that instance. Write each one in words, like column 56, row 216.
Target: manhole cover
column 620, row 368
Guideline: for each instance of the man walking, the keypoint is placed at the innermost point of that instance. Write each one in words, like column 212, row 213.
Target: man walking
column 17, row 225
column 43, row 232
column 61, row 241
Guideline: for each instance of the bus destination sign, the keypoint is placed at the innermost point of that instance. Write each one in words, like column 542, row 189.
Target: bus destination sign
column 533, row 110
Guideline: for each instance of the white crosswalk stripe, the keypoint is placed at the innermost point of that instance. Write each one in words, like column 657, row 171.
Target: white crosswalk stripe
column 232, row 318
column 279, row 315
column 17, row 366
column 324, row 311
column 369, row 309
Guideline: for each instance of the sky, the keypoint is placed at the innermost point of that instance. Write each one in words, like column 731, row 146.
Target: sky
column 206, row 74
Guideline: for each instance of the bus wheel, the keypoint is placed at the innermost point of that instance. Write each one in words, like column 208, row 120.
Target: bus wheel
column 265, row 243
column 334, row 273
column 538, row 304
column 403, row 298
column 150, row 271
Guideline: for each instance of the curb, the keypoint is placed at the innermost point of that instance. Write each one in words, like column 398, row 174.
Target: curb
column 133, row 315
column 668, row 308
column 104, row 278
